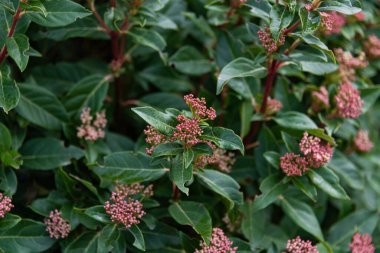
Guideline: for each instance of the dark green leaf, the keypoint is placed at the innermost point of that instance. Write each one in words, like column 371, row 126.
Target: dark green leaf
column 17, row 47
column 195, row 215
column 139, row 238
column 295, row 121
column 181, row 174
column 223, row 138
column 128, row 167
column 223, row 185
column 48, row 153
column 240, row 67
column 189, row 61
column 9, row 93
column 163, row 122
column 271, row 188
column 347, row 7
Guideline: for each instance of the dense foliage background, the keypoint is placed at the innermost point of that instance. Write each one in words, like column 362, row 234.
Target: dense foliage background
column 81, row 80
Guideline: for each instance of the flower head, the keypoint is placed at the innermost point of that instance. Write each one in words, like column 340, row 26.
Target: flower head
column 348, row 102
column 348, row 64
column 5, row 205
column 134, row 189
column 153, row 138
column 320, row 99
column 187, row 130
column 122, row 208
column 362, row 142
column 372, row 47
column 199, row 109
column 317, row 152
column 57, row 226
column 293, row 165
column 92, row 130
column 268, row 42
column 219, row 243
column 332, row 22
column 297, row 245
column 360, row 16
column 362, row 244
column 273, row 106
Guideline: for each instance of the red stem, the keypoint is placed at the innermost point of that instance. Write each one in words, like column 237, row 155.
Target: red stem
column 176, row 193
column 16, row 18
column 255, row 126
column 98, row 17
column 113, row 3
column 292, row 27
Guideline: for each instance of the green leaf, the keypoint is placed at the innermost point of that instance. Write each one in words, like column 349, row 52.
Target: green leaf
column 148, row 38
column 9, row 93
column 167, row 149
column 246, row 113
column 93, row 241
column 48, row 153
column 326, row 180
column 347, row 7
column 347, row 170
column 260, row 9
column 5, row 138
column 273, row 158
column 128, row 167
column 223, row 138
column 18, row 47
column 163, row 122
column 310, row 20
column 41, row 107
column 303, row 215
column 8, row 181
column 280, row 18
column 315, row 42
column 238, row 68
column 84, row 92
column 271, row 188
column 295, row 121
column 98, row 213
column 59, row 13
column 181, row 173
column 254, row 225
column 369, row 96
column 139, row 238
column 189, row 61
column 9, row 221
column 27, row 236
column 223, row 185
column 362, row 221
column 304, row 185
column 321, row 134
column 193, row 214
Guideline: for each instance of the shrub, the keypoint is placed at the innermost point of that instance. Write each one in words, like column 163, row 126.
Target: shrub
column 189, row 126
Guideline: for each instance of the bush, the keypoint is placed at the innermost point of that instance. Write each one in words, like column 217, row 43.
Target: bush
column 189, row 126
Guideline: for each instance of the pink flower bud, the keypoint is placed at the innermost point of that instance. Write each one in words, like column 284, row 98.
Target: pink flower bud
column 219, row 243
column 57, row 226
column 362, row 244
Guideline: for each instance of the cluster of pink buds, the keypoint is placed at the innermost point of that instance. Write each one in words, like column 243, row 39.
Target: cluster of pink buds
column 122, row 208
column 297, row 245
column 273, row 106
column 153, row 138
column 92, row 130
column 5, row 205
column 268, row 42
column 56, row 225
column 362, row 244
column 317, row 152
column 187, row 130
column 320, row 99
column 372, row 47
column 219, row 243
column 293, row 164
column 199, row 109
column 332, row 22
column 362, row 142
column 220, row 159
column 135, row 189
column 348, row 102
column 348, row 64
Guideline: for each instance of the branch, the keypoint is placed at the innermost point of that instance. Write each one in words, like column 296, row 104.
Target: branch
column 16, row 18
column 91, row 4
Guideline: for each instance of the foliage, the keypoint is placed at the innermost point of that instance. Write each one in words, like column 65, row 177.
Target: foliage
column 279, row 140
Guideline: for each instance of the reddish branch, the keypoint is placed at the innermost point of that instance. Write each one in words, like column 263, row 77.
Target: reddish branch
column 16, row 18
column 273, row 67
